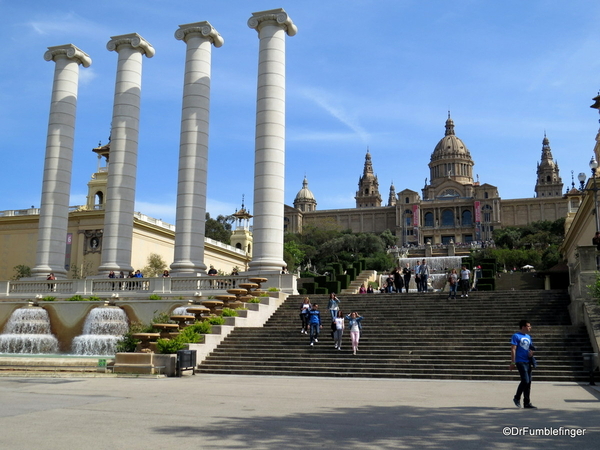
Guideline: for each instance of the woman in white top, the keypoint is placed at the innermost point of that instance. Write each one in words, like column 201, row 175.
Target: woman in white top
column 339, row 330
column 304, row 309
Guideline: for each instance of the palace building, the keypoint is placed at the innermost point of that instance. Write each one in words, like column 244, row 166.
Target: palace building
column 452, row 206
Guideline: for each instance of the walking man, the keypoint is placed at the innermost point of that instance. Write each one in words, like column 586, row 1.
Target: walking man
column 424, row 275
column 465, row 281
column 418, row 276
column 521, row 354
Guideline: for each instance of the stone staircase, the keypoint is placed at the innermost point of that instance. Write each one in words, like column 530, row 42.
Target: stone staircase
column 414, row 336
column 363, row 278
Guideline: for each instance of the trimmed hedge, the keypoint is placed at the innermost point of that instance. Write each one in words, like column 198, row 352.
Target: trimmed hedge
column 333, row 286
column 311, row 288
column 344, row 281
column 321, row 290
column 351, row 272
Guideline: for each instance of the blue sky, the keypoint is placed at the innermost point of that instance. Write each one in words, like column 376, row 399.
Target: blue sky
column 360, row 74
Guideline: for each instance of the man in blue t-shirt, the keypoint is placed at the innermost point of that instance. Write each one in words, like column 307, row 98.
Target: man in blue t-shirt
column 314, row 323
column 521, row 352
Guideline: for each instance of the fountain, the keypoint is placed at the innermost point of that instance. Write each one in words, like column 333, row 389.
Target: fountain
column 28, row 331
column 439, row 266
column 180, row 310
column 104, row 327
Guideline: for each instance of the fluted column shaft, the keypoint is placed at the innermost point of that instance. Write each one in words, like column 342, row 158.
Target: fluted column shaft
column 56, row 185
column 269, row 162
column 122, row 167
column 193, row 148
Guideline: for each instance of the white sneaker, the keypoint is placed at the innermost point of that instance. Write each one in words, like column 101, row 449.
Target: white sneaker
column 467, row 295
column 316, row 340
column 462, row 296
column 311, row 344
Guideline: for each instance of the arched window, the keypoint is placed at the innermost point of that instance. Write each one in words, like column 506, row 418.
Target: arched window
column 238, row 245
column 548, row 179
column 447, row 218
column 406, row 200
column 487, row 213
column 428, row 219
column 408, row 216
column 485, row 195
column 467, row 217
column 99, row 198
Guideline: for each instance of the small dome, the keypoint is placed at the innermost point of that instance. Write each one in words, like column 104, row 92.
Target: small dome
column 304, row 193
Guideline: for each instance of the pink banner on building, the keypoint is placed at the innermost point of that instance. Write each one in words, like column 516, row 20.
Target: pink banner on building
column 477, row 211
column 415, row 210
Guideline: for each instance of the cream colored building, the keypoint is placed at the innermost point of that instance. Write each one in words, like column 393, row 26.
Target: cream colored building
column 452, row 206
column 83, row 244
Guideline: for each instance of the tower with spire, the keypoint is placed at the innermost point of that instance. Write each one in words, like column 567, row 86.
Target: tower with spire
column 392, row 197
column 368, row 195
column 549, row 183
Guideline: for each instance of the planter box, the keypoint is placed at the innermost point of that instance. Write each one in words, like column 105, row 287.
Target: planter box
column 145, row 364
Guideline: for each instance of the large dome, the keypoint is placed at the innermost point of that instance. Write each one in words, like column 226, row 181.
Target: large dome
column 450, row 146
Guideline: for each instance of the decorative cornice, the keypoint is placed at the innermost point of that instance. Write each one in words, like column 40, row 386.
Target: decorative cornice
column 134, row 40
column 71, row 52
column 204, row 29
column 279, row 16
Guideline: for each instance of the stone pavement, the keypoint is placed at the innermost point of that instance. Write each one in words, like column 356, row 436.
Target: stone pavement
column 238, row 412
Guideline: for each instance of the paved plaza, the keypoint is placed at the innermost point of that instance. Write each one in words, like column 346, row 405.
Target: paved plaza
column 238, row 412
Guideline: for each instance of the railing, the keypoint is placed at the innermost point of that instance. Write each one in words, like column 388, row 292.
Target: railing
column 132, row 287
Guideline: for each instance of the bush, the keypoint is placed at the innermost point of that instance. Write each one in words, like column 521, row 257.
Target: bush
column 216, row 321
column 93, row 298
column 228, row 312
column 301, row 291
column 321, row 291
column 254, row 300
column 168, row 346
column 155, row 297
column 201, row 327
column 48, row 298
column 76, row 298
column 273, row 289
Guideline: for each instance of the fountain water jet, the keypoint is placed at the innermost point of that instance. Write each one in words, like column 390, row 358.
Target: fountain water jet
column 28, row 331
column 104, row 327
column 439, row 266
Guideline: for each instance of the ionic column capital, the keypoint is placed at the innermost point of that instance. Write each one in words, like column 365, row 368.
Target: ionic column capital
column 204, row 29
column 134, row 40
column 71, row 52
column 273, row 16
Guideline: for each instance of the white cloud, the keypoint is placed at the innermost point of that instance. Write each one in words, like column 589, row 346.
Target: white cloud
column 337, row 111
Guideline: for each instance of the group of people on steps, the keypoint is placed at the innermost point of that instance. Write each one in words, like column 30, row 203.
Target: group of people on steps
column 312, row 324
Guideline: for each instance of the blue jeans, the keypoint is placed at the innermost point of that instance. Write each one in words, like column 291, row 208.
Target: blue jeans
column 314, row 331
column 525, row 384
column 424, row 283
column 333, row 313
column 452, row 292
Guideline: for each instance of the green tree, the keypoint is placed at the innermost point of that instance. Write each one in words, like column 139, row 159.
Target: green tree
column 218, row 229
column 21, row 271
column 155, row 266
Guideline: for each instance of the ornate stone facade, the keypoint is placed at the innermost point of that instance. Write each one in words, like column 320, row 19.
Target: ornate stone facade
column 452, row 206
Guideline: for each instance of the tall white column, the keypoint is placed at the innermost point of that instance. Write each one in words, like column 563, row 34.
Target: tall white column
column 269, row 162
column 56, row 185
column 193, row 148
column 122, row 167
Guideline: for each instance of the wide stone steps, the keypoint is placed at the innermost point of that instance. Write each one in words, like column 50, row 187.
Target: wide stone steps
column 413, row 336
